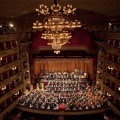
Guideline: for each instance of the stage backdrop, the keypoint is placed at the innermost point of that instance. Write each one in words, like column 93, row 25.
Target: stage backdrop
column 65, row 65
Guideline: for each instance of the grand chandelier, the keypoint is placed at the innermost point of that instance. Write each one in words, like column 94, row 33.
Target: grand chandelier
column 56, row 24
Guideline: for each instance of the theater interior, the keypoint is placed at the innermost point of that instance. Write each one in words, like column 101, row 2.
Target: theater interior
column 60, row 60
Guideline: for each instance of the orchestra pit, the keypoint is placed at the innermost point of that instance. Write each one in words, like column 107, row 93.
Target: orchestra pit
column 60, row 60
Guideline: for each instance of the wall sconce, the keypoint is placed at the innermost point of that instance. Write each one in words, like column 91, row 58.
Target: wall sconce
column 108, row 94
column 17, row 93
column 0, row 60
column 119, row 88
column 98, row 82
column 11, row 25
column 13, row 69
column 3, row 88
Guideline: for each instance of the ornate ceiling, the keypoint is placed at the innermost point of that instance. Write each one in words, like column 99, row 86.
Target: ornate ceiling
column 18, row 8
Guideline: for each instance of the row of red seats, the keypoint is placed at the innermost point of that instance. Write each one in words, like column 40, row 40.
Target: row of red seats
column 8, row 45
column 112, row 57
column 8, row 59
column 113, row 72
column 6, row 74
column 10, row 100
column 114, row 43
column 9, row 87
column 114, row 101
column 113, row 86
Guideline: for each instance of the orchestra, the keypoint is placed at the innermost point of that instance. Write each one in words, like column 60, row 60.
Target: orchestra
column 66, row 90
column 79, row 100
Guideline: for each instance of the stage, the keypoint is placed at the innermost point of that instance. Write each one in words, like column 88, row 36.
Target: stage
column 62, row 112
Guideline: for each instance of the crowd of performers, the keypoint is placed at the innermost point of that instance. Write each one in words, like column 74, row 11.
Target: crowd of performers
column 84, row 99
column 65, row 86
column 61, row 75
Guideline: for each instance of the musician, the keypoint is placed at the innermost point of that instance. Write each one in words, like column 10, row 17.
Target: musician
column 74, row 100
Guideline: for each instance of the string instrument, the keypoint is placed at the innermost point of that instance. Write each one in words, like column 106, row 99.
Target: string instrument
column 77, row 105
column 99, row 98
column 76, row 102
column 83, row 104
column 89, row 103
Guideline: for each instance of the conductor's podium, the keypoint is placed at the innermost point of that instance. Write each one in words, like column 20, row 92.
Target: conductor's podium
column 61, row 106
